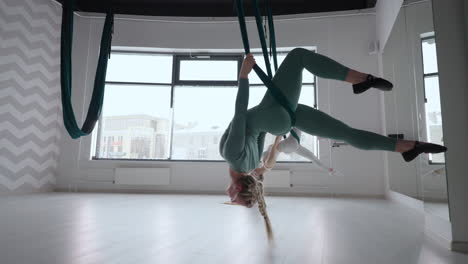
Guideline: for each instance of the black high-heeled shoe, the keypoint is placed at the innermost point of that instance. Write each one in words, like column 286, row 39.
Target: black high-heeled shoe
column 422, row 147
column 372, row 82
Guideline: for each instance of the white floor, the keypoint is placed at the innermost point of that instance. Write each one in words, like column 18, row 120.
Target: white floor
column 439, row 209
column 145, row 228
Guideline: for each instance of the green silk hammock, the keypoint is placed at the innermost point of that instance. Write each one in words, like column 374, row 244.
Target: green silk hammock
column 266, row 79
column 97, row 98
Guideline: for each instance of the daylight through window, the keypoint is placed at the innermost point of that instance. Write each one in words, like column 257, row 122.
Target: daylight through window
column 177, row 106
column 432, row 97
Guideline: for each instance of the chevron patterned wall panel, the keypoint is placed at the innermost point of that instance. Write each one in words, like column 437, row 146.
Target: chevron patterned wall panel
column 30, row 111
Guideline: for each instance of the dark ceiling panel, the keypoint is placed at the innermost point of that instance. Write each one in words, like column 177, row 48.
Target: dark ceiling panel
column 216, row 8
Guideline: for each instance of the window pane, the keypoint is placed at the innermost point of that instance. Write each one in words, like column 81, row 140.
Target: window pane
column 256, row 95
column 139, row 68
column 201, row 115
column 433, row 115
column 198, row 128
column 136, row 122
column 429, row 55
column 307, row 95
column 307, row 77
column 208, row 70
column 137, row 119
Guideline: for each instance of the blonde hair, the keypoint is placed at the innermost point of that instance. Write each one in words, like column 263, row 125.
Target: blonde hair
column 252, row 193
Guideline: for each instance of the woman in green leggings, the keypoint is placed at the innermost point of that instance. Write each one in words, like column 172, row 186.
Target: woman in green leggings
column 242, row 143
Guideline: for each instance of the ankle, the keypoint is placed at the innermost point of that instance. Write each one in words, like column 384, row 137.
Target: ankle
column 404, row 145
column 356, row 77
column 363, row 77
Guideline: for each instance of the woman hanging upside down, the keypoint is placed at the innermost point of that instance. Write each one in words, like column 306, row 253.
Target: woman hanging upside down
column 242, row 142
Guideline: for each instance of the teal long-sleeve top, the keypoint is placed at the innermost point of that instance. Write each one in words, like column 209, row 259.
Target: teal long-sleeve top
column 241, row 145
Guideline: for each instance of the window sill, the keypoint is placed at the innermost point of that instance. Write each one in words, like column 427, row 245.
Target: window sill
column 115, row 163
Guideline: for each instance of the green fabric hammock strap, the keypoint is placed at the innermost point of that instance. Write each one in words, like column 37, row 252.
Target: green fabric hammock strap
column 97, row 97
column 266, row 79
column 271, row 28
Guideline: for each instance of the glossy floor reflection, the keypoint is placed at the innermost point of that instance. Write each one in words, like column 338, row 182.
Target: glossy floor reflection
column 145, row 228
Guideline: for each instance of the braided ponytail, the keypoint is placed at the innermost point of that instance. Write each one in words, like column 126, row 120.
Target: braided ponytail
column 258, row 195
column 252, row 193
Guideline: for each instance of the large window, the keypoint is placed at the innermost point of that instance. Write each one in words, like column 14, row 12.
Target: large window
column 176, row 106
column 136, row 117
column 432, row 97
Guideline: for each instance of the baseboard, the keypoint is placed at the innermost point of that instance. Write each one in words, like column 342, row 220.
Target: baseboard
column 435, row 196
column 459, row 246
column 20, row 193
column 435, row 200
column 210, row 192
column 406, row 200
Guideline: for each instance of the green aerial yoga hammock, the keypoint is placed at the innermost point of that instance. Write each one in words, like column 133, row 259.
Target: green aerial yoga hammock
column 97, row 98
column 272, row 88
column 271, row 28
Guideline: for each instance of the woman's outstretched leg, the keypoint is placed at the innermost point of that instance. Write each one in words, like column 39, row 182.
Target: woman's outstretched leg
column 289, row 75
column 318, row 123
column 320, row 65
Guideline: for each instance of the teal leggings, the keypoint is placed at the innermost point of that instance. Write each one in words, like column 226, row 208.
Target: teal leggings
column 270, row 117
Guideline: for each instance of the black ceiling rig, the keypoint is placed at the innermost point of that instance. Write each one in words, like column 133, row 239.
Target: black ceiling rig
column 216, row 8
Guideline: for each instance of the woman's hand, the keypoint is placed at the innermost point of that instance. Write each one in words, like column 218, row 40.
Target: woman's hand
column 247, row 66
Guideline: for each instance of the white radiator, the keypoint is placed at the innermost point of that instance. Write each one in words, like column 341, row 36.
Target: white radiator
column 278, row 178
column 142, row 176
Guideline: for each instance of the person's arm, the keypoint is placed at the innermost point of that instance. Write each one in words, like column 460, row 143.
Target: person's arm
column 261, row 144
column 265, row 153
column 270, row 159
column 235, row 141
column 302, row 151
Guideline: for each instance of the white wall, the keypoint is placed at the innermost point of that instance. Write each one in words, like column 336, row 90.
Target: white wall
column 344, row 37
column 386, row 14
column 400, row 108
column 449, row 23
column 29, row 95
column 404, row 106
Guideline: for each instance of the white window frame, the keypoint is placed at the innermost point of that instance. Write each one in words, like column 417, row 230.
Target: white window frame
column 175, row 81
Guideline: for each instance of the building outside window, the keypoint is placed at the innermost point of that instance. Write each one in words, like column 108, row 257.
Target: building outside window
column 176, row 107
